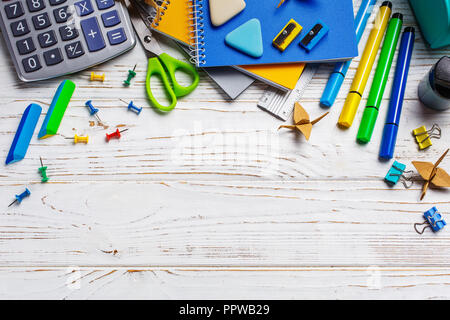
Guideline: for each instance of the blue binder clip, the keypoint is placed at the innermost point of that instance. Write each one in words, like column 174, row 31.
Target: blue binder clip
column 395, row 174
column 433, row 219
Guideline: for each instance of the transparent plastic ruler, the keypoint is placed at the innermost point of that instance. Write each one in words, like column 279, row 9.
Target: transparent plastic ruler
column 281, row 103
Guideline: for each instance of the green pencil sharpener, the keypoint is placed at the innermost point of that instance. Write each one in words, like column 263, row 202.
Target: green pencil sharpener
column 433, row 17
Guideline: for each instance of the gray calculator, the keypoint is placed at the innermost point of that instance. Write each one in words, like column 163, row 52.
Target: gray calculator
column 50, row 38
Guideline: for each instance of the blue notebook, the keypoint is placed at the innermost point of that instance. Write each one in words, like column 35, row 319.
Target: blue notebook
column 339, row 44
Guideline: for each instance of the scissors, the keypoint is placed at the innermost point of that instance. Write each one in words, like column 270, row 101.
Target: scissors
column 160, row 64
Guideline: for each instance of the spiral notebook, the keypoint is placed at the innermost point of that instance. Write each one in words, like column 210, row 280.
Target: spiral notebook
column 338, row 44
column 176, row 21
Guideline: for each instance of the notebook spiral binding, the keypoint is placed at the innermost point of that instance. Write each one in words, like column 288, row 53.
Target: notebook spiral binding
column 157, row 15
column 196, row 33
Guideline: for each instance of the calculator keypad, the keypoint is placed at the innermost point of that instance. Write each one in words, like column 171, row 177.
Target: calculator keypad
column 74, row 50
column 84, row 8
column 31, row 64
column 62, row 14
column 35, row 5
column 14, row 10
column 19, row 28
column 68, row 32
column 111, row 18
column 53, row 57
column 48, row 38
column 25, row 46
column 56, row 2
column 41, row 21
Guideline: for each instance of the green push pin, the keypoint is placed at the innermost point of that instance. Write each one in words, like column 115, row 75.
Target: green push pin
column 131, row 75
column 43, row 172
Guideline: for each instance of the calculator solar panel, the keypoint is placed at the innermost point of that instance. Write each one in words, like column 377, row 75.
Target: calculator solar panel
column 50, row 38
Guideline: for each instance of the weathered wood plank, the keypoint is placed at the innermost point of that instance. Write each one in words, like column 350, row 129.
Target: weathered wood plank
column 220, row 223
column 224, row 283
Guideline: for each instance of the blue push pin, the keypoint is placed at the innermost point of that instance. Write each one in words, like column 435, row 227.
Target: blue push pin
column 434, row 220
column 92, row 110
column 20, row 197
column 133, row 107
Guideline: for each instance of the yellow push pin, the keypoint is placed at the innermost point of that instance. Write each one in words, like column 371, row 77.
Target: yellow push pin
column 79, row 139
column 97, row 77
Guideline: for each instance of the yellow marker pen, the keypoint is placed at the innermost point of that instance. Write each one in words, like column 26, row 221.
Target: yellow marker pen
column 365, row 66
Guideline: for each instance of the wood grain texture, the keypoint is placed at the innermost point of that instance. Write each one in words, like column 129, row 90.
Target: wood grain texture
column 225, row 283
column 212, row 201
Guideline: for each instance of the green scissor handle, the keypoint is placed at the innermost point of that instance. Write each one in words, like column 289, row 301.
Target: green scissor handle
column 172, row 65
column 155, row 68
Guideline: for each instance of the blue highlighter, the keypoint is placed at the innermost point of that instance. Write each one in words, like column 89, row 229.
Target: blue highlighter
column 340, row 70
column 397, row 94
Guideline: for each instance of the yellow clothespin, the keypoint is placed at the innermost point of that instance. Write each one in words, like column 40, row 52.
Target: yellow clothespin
column 423, row 136
column 97, row 77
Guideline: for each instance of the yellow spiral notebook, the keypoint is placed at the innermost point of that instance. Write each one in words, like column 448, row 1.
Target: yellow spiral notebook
column 175, row 21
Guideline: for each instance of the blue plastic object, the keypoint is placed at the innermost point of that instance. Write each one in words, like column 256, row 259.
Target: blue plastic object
column 340, row 69
column 394, row 173
column 435, row 219
column 20, row 197
column 314, row 35
column 92, row 109
column 433, row 17
column 397, row 94
column 133, row 107
column 247, row 38
column 24, row 133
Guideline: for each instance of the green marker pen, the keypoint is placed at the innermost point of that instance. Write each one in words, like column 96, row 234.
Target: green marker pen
column 379, row 81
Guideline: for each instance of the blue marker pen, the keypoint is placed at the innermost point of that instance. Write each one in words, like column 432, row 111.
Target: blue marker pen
column 397, row 94
column 340, row 70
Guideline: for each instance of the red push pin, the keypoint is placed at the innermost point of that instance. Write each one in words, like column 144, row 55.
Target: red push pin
column 115, row 134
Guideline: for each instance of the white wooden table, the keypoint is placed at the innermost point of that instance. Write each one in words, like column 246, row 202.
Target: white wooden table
column 211, row 201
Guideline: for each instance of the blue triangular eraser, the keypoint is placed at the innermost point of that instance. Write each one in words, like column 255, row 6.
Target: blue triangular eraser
column 247, row 38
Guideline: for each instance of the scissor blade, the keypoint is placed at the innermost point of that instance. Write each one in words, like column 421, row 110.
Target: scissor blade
column 141, row 24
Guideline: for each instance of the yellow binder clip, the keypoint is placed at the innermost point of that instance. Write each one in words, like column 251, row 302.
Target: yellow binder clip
column 424, row 136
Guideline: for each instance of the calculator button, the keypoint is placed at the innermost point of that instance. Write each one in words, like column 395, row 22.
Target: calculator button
column 47, row 39
column 110, row 18
column 14, row 10
column 62, row 14
column 35, row 5
column 116, row 36
column 31, row 64
column 53, row 57
column 19, row 28
column 92, row 34
column 68, row 32
column 83, row 8
column 25, row 46
column 56, row 2
column 104, row 4
column 74, row 50
column 41, row 21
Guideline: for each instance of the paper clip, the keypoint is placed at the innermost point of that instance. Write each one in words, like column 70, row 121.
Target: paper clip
column 433, row 219
column 396, row 173
column 424, row 136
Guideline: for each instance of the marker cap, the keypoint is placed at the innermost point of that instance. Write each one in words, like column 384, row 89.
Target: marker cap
column 349, row 110
column 332, row 89
column 388, row 142
column 386, row 4
column 367, row 124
